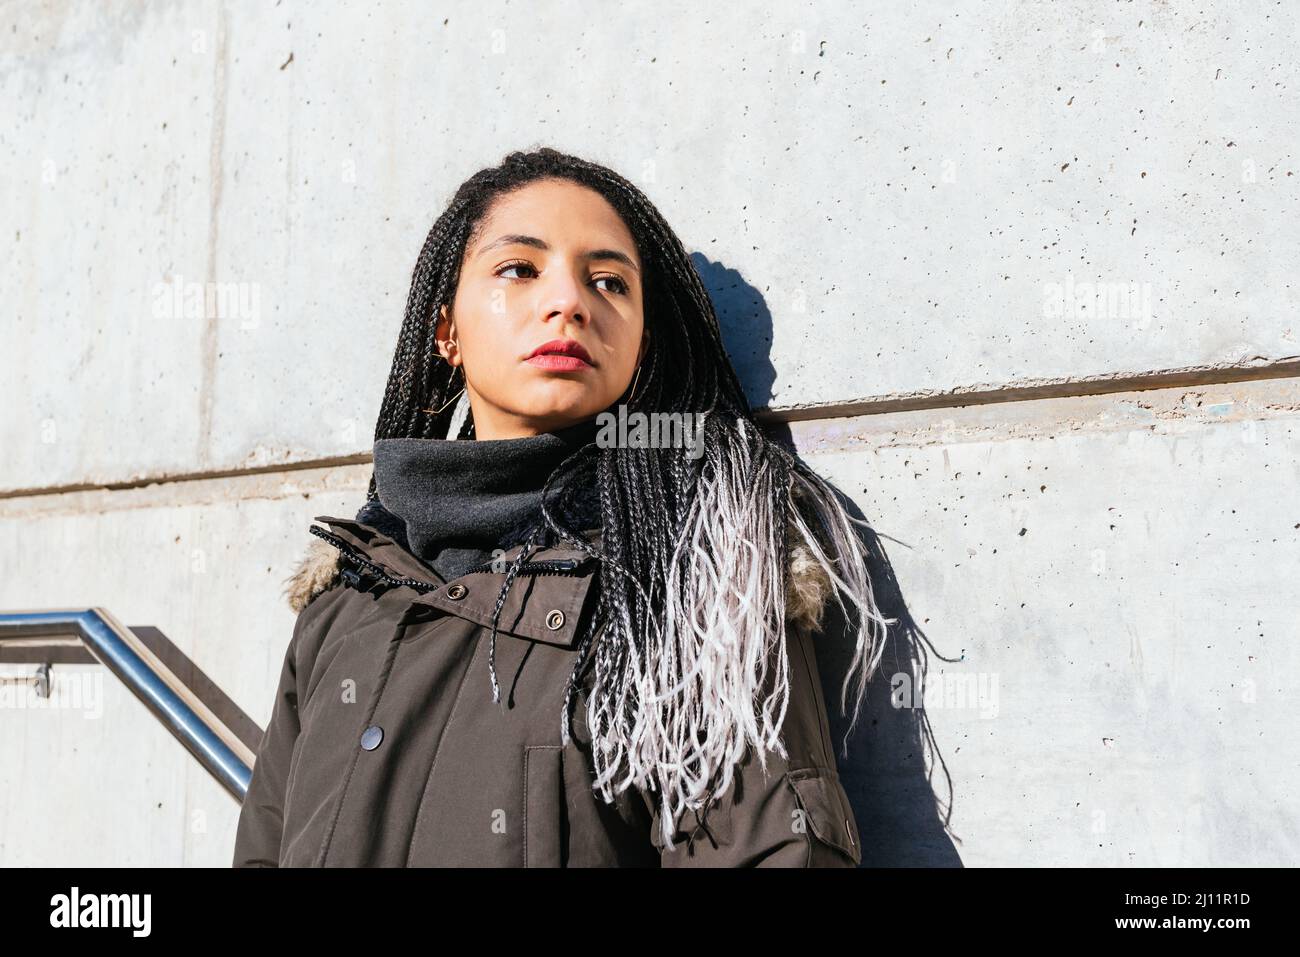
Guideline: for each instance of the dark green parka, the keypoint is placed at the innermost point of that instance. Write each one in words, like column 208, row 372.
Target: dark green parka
column 386, row 749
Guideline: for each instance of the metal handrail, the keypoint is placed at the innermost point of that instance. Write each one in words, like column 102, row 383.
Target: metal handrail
column 192, row 722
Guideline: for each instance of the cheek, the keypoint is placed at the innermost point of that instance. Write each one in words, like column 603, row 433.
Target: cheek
column 485, row 337
column 487, row 364
column 633, row 346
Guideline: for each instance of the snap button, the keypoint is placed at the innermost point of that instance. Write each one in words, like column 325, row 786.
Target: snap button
column 371, row 737
column 456, row 591
column 555, row 620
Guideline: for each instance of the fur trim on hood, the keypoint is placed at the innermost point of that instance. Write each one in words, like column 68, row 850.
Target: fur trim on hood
column 807, row 586
column 316, row 571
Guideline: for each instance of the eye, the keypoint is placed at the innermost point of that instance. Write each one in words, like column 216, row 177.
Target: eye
column 518, row 264
column 620, row 287
column 618, row 280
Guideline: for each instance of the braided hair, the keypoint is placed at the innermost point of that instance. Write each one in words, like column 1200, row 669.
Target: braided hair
column 687, row 638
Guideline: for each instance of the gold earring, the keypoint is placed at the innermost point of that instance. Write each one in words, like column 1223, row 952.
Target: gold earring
column 453, row 398
column 447, row 403
column 632, row 392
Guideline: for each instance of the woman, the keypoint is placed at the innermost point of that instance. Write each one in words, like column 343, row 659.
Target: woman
column 583, row 638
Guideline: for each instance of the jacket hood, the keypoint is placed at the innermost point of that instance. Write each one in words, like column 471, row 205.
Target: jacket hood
column 808, row 588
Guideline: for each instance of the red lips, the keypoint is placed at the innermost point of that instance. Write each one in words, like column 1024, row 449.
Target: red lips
column 561, row 355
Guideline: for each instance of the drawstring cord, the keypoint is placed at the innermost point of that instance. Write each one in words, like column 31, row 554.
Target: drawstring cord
column 524, row 554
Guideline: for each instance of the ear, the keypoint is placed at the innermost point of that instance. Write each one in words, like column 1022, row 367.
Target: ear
column 445, row 336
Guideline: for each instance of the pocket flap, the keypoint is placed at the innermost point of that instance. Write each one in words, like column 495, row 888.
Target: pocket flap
column 539, row 607
column 822, row 798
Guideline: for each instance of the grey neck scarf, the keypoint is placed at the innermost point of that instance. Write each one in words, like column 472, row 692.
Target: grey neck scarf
column 454, row 501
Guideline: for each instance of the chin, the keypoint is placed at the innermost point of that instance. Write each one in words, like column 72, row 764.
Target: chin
column 571, row 405
column 560, row 417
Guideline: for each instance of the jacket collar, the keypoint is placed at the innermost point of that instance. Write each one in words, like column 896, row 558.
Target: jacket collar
column 807, row 586
column 398, row 561
column 548, row 612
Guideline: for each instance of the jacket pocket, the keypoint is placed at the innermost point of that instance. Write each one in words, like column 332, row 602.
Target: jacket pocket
column 828, row 817
column 545, row 817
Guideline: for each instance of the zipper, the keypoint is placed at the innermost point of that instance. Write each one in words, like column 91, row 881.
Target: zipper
column 551, row 566
column 373, row 569
column 546, row 566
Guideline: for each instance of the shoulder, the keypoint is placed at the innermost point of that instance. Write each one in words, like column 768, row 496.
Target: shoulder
column 808, row 587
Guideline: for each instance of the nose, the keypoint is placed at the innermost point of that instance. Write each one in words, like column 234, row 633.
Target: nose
column 564, row 299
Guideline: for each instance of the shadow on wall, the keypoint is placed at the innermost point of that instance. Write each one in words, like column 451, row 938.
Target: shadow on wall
column 902, row 820
column 746, row 326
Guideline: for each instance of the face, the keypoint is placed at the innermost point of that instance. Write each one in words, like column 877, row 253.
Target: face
column 547, row 319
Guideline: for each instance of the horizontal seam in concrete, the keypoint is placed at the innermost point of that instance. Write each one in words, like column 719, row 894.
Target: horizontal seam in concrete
column 361, row 458
column 1282, row 368
column 1285, row 367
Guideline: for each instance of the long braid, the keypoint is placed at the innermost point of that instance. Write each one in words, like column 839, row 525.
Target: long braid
column 682, row 661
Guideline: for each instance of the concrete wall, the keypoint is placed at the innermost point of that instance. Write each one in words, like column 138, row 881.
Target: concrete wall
column 1020, row 274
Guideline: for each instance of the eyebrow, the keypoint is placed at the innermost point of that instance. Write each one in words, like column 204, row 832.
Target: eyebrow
column 520, row 239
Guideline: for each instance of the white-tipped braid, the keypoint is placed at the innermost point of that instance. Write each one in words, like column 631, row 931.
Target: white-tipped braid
column 714, row 677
